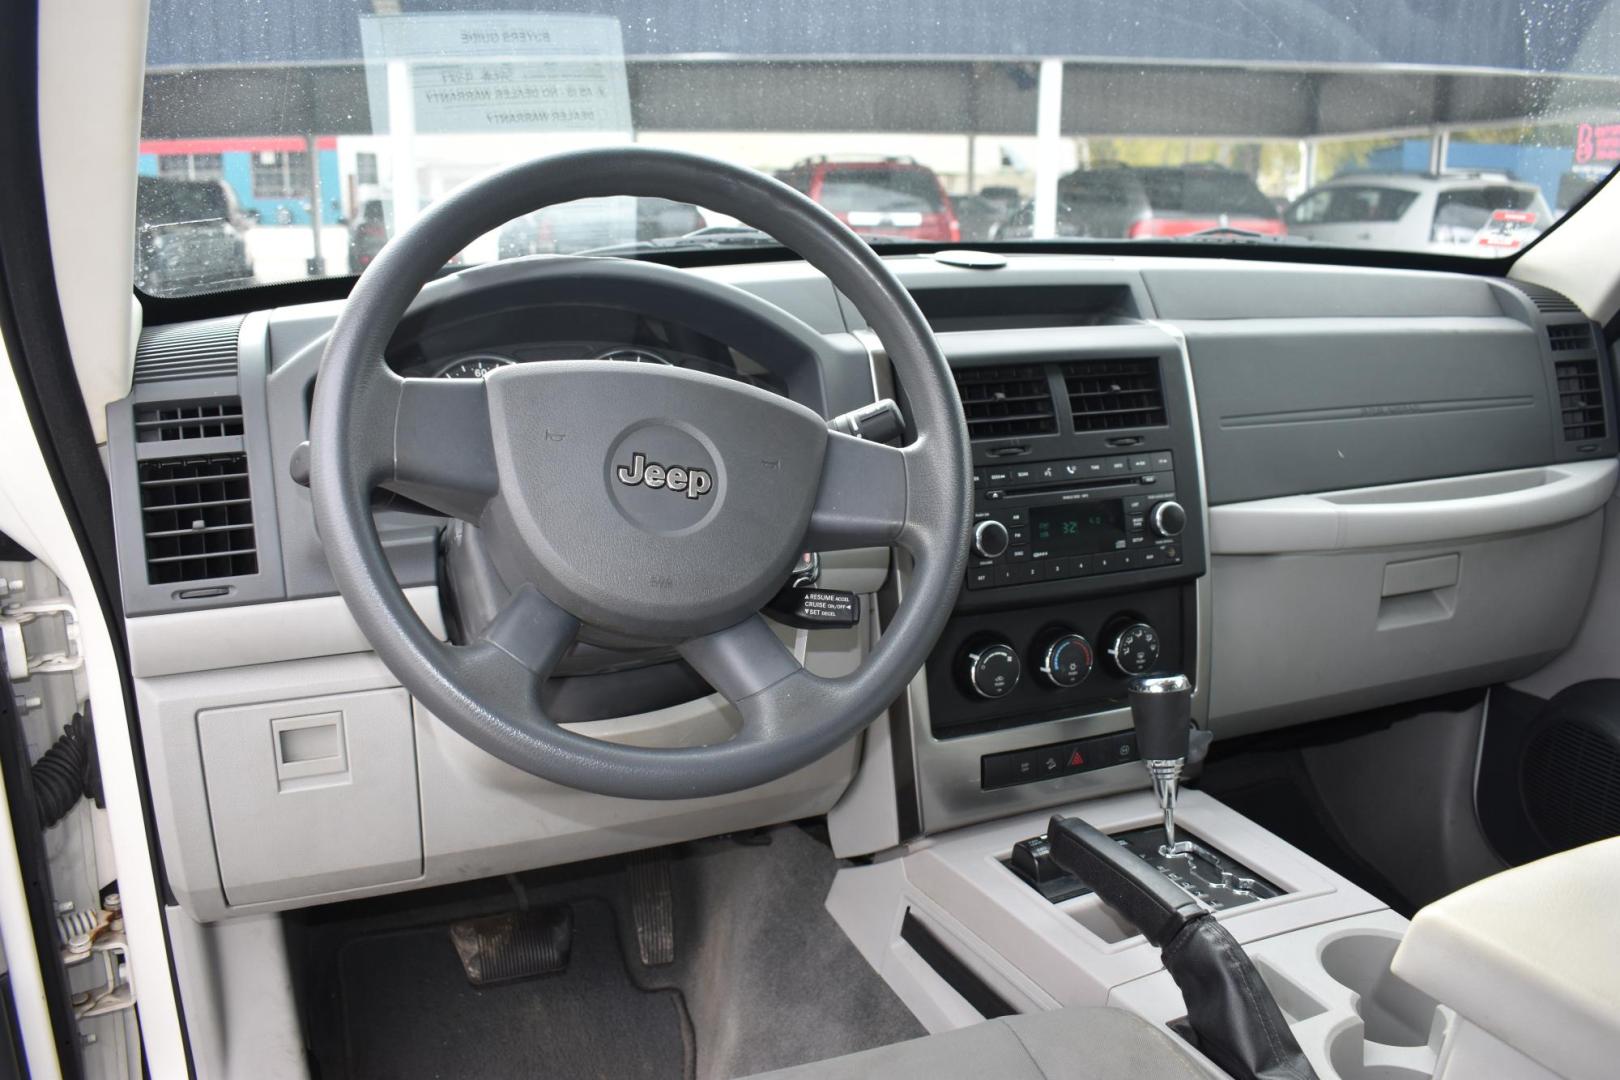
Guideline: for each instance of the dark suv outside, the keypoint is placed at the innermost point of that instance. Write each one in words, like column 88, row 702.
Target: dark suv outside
column 190, row 236
column 1120, row 202
column 888, row 197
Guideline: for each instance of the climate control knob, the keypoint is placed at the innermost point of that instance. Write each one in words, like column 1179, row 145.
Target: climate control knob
column 1066, row 660
column 993, row 670
column 990, row 539
column 1168, row 519
column 1134, row 649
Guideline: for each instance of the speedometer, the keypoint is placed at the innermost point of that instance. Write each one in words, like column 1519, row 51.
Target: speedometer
column 473, row 367
column 635, row 356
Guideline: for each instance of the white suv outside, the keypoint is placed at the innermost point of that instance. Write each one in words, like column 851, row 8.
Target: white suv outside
column 1459, row 213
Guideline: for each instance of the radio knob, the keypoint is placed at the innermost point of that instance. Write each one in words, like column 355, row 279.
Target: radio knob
column 993, row 670
column 1134, row 649
column 1066, row 660
column 990, row 539
column 1168, row 519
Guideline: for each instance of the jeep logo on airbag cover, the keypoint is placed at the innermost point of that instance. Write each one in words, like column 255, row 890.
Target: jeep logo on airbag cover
column 691, row 480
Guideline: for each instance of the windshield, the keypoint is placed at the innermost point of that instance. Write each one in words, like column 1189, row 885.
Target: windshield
column 309, row 132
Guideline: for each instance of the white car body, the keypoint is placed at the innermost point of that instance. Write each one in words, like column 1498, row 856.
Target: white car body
column 1453, row 213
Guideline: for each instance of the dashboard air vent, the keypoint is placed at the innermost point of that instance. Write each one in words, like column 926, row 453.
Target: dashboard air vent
column 1580, row 399
column 1106, row 395
column 1568, row 337
column 1006, row 401
column 188, row 350
column 197, row 518
column 1547, row 301
column 178, row 421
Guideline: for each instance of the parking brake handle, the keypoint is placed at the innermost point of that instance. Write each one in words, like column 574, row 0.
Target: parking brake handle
column 1234, row 1019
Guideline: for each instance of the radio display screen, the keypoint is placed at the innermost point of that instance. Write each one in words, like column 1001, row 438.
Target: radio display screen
column 1078, row 529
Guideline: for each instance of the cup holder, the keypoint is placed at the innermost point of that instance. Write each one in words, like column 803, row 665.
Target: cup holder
column 1347, row 1055
column 1394, row 1012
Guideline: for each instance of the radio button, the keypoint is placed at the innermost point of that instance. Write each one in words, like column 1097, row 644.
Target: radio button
column 1136, row 504
column 1141, row 463
column 1016, row 517
column 981, row 579
column 1057, row 568
column 1019, row 536
column 1080, row 567
column 1017, row 554
column 1004, row 575
column 1027, row 572
column 990, row 538
column 1169, row 519
column 1163, row 461
column 1118, row 466
column 1093, row 468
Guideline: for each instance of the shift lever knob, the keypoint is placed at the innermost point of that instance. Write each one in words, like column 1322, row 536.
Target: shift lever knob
column 1161, row 709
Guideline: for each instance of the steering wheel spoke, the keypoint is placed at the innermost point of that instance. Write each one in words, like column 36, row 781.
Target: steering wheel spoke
column 441, row 453
column 864, row 499
column 741, row 661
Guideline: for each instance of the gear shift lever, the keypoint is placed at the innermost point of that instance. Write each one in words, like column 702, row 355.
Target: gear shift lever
column 1161, row 709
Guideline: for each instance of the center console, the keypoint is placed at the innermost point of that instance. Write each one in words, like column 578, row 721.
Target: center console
column 1088, row 546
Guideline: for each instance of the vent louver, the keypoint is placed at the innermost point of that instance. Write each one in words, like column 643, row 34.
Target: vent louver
column 188, row 350
column 1569, row 337
column 1006, row 401
column 179, row 421
column 1580, row 399
column 1548, row 301
column 197, row 518
column 1107, row 395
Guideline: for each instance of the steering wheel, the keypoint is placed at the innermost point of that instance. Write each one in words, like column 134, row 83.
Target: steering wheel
column 635, row 502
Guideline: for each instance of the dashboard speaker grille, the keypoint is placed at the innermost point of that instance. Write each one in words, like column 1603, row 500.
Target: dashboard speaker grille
column 1571, row 782
column 1570, row 337
column 188, row 350
column 1580, row 399
column 1107, row 395
column 1006, row 401
column 179, row 421
column 197, row 518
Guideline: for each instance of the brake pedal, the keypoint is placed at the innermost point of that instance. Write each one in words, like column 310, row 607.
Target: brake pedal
column 652, row 907
column 514, row 945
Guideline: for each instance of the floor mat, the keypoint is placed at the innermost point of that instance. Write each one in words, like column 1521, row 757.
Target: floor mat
column 408, row 1011
column 770, row 978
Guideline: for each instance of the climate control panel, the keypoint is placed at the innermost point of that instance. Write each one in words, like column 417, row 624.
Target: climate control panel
column 1053, row 660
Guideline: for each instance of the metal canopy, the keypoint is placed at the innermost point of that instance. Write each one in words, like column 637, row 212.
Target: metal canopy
column 947, row 97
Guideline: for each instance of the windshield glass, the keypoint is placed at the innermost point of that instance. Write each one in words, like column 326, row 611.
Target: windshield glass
column 290, row 139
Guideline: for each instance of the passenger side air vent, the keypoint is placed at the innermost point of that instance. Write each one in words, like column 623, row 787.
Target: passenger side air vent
column 1006, row 401
column 177, row 421
column 1547, row 301
column 1106, row 395
column 1568, row 337
column 197, row 518
column 1580, row 399
column 188, row 350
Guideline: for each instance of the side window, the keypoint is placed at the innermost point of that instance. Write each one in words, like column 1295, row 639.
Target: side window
column 1311, row 210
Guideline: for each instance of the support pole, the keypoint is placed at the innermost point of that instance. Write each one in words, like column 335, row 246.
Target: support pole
column 317, row 263
column 1048, row 147
column 1439, row 148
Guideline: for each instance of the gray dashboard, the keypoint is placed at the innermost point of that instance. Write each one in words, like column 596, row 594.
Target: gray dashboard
column 1374, row 461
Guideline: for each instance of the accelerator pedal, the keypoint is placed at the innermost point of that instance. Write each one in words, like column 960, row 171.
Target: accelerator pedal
column 652, row 907
column 514, row 945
